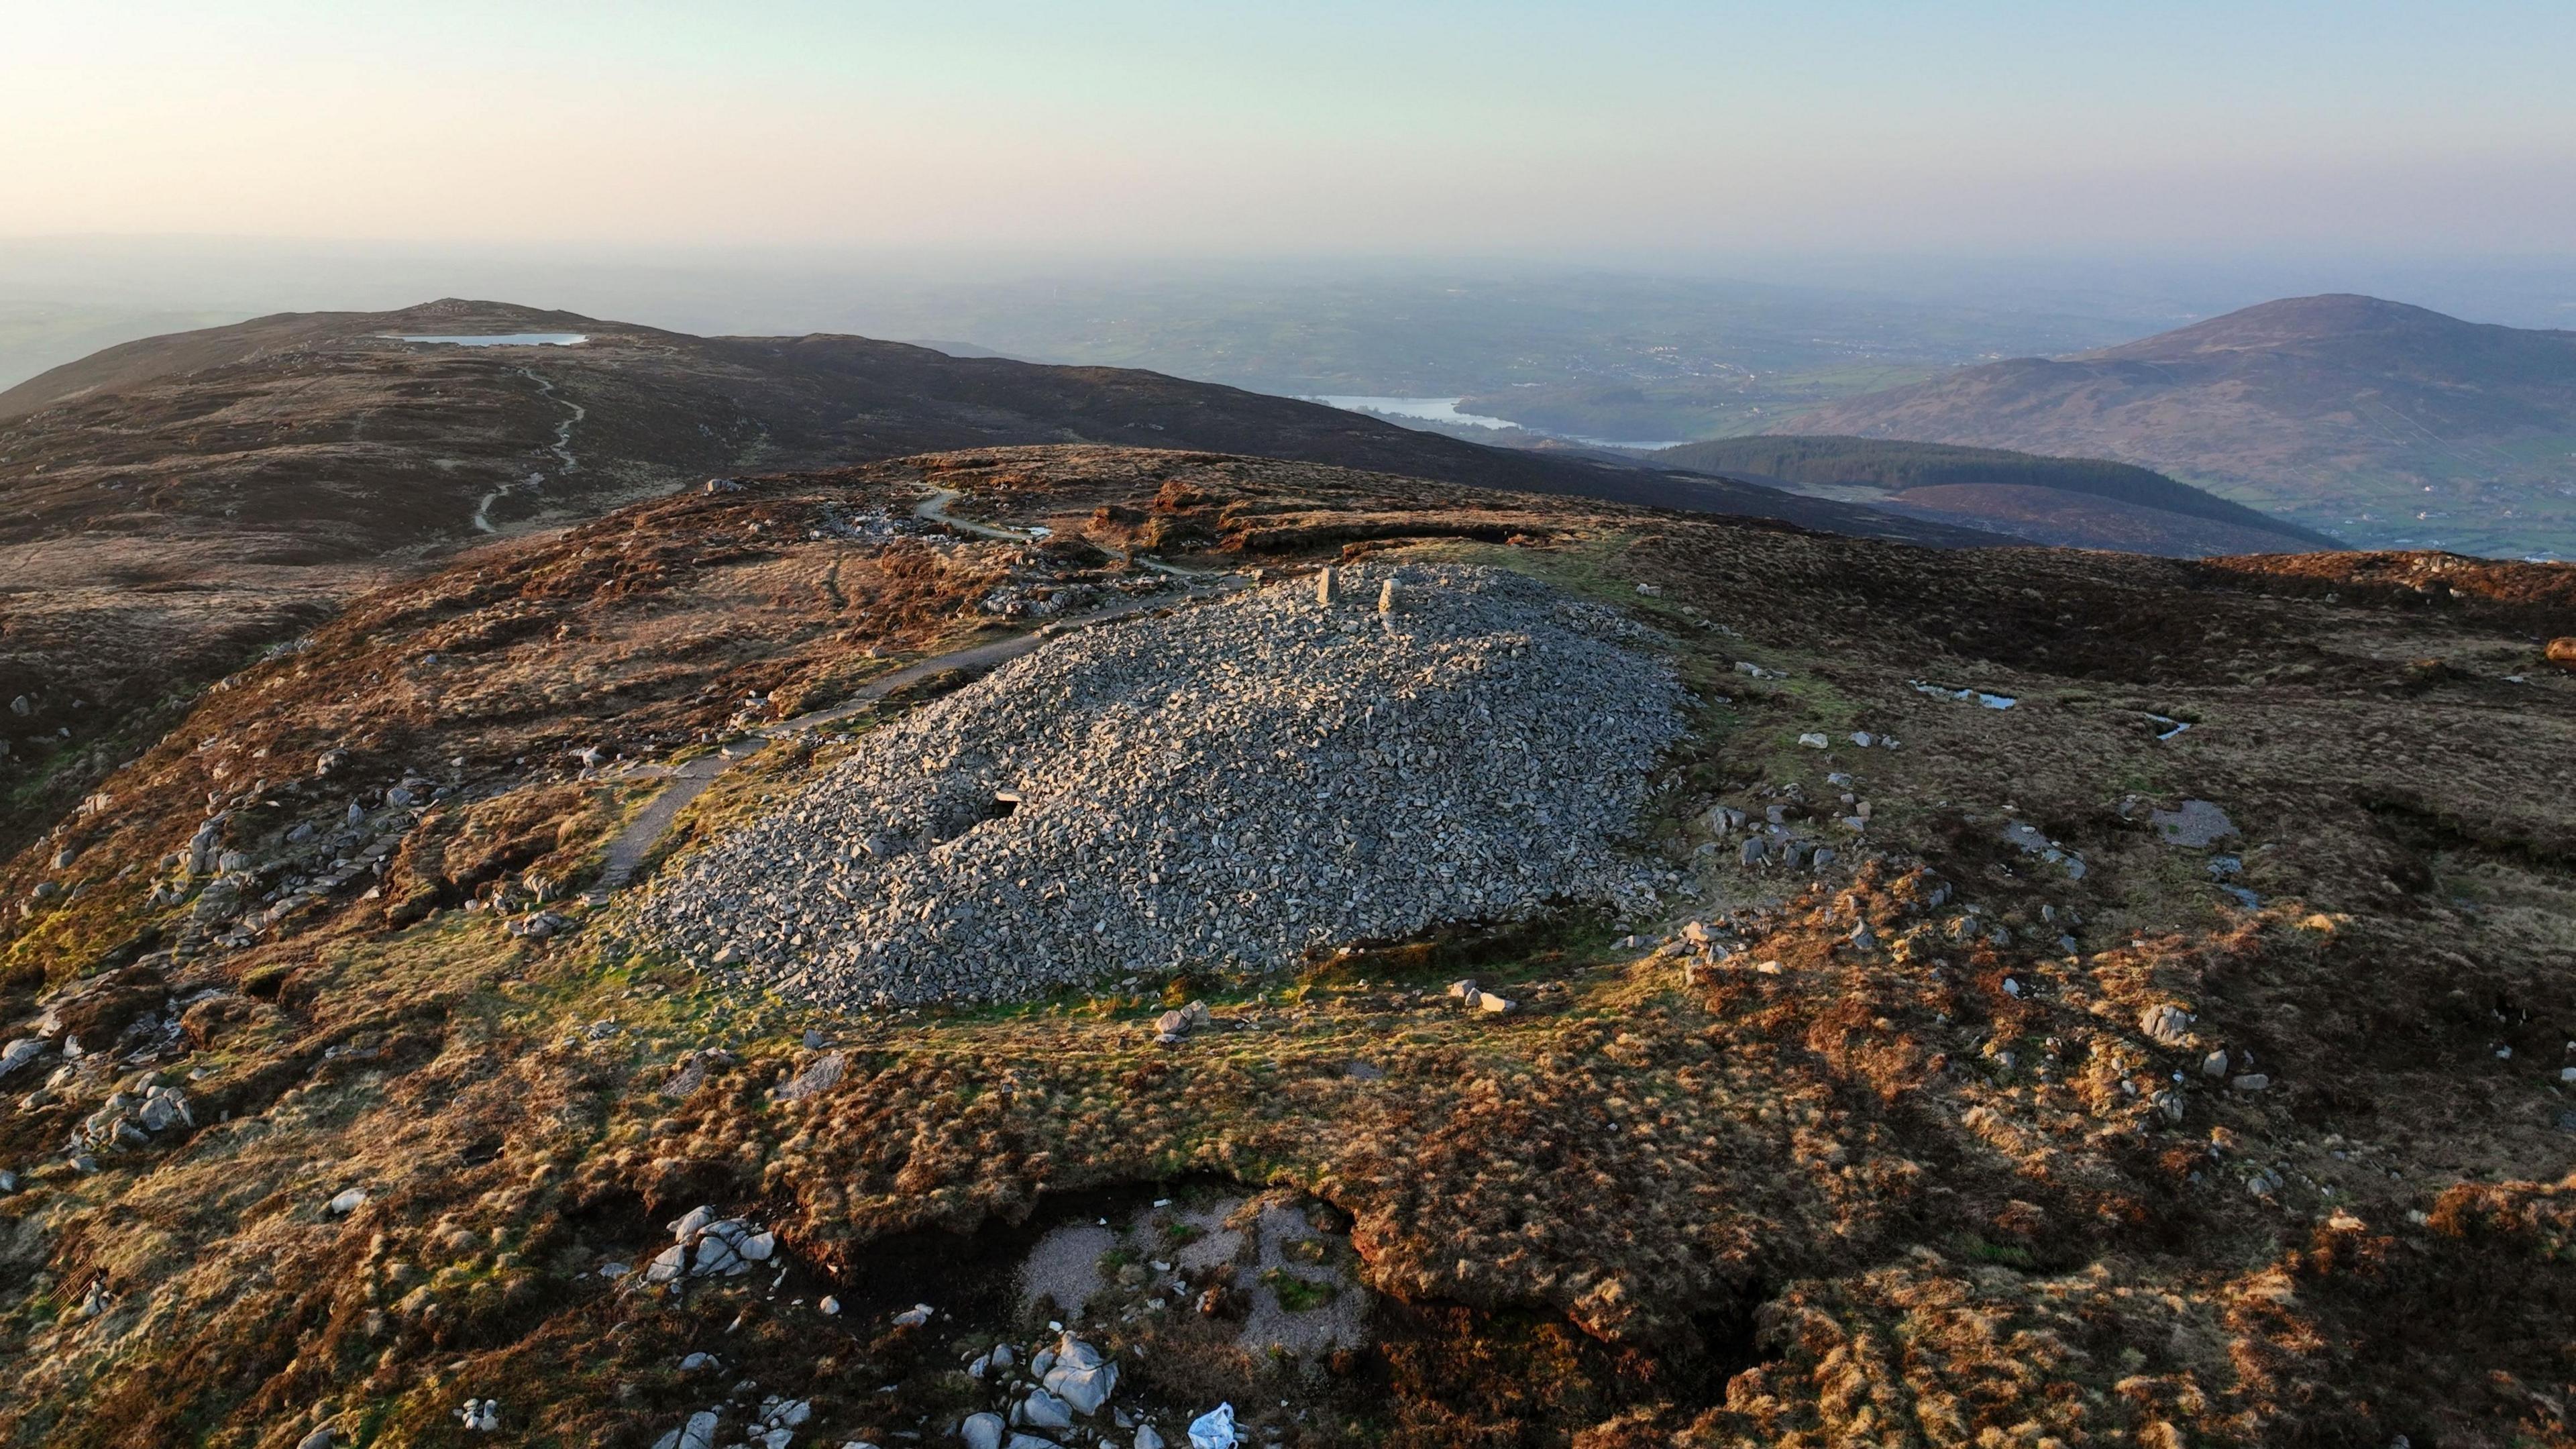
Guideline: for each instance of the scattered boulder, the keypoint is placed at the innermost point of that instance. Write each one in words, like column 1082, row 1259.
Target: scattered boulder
column 536, row 926
column 1173, row 1025
column 2197, row 824
column 775, row 1423
column 706, row 1246
column 130, row 1116
column 698, row 1433
column 690, row 1073
column 2166, row 1025
column 2031, row 840
column 1042, row 1410
column 820, row 1075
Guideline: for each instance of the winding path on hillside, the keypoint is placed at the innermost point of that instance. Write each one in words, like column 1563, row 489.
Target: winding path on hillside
column 561, row 448
column 690, row 779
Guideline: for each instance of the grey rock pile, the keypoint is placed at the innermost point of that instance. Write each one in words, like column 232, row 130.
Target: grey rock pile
column 1229, row 784
column 1047, row 1396
column 235, row 895
column 132, row 1116
column 704, row 1245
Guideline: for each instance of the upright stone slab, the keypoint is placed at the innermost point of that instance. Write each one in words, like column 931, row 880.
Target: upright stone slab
column 1328, row 586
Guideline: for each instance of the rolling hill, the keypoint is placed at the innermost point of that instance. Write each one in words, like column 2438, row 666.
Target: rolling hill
column 2068, row 502
column 2382, row 423
column 337, row 436
column 171, row 507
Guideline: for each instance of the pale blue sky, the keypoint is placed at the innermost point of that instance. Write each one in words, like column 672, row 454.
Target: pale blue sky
column 1605, row 129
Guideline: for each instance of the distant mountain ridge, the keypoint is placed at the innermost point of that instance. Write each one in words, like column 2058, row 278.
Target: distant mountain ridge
column 2078, row 502
column 219, row 419
column 172, row 506
column 2374, row 420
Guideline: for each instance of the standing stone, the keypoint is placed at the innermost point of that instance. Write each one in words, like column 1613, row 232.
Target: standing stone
column 1328, row 586
column 1386, row 597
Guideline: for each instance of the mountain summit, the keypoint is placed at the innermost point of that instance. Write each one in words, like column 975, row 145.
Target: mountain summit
column 2379, row 422
column 2352, row 330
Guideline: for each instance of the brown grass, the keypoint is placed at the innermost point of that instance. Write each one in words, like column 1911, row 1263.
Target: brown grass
column 1874, row 1196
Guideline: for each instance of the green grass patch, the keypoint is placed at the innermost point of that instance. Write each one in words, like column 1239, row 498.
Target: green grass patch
column 1296, row 1294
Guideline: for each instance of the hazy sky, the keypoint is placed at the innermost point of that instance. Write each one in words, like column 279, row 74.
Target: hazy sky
column 1590, row 130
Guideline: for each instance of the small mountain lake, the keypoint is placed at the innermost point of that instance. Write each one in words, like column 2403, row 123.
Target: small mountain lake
column 1427, row 409
column 1445, row 410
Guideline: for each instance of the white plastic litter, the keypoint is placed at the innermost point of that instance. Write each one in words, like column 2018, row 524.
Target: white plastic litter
column 1213, row 1429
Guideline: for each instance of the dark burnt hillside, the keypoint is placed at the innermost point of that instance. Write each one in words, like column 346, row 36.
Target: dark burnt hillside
column 1995, row 486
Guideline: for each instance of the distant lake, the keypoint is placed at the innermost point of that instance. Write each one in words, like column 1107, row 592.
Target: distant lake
column 1445, row 410
column 509, row 339
column 1428, row 409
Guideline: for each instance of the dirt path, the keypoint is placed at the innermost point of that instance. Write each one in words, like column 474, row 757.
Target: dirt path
column 689, row 780
column 561, row 448
column 934, row 509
